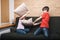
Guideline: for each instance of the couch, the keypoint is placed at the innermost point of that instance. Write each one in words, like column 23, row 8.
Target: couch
column 54, row 31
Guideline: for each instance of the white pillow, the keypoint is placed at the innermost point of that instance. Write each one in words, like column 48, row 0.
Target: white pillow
column 21, row 9
column 28, row 22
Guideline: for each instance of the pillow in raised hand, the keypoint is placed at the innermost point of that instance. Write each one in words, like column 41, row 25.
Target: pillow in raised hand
column 21, row 9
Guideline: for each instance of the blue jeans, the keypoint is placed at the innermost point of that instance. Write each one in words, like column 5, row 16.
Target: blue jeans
column 45, row 31
column 22, row 31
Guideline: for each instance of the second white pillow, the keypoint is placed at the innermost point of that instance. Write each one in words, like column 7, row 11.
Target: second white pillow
column 28, row 22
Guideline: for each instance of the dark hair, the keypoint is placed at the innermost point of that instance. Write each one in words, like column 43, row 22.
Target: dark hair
column 45, row 8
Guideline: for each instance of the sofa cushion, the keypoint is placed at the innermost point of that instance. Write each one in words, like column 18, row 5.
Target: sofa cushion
column 16, row 36
column 54, row 36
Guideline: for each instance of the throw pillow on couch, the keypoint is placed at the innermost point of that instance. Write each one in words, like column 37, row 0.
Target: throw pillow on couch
column 28, row 22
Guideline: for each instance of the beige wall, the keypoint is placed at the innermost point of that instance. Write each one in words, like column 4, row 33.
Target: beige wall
column 4, row 11
column 35, row 6
column 0, row 11
column 0, row 7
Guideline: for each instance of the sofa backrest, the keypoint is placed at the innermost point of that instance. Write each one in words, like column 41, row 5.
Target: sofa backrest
column 54, row 23
column 17, row 20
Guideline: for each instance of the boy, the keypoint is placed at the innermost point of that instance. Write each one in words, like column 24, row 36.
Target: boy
column 44, row 24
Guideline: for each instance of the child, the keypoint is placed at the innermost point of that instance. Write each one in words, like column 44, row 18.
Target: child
column 20, row 28
column 44, row 24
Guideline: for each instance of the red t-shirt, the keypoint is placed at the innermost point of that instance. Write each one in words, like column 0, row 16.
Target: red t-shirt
column 45, row 20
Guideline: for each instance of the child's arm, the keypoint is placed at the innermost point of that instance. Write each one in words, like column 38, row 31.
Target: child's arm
column 36, row 23
column 38, row 19
column 24, row 16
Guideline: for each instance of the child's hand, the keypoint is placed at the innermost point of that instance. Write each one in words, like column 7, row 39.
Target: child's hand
column 33, row 23
column 36, row 23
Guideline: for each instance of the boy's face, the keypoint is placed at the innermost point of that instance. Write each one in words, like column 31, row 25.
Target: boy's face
column 45, row 11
